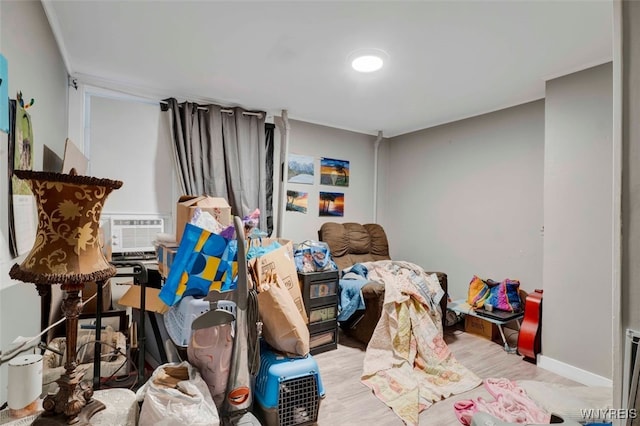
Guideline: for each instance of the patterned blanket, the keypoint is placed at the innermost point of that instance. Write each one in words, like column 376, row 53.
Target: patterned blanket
column 407, row 364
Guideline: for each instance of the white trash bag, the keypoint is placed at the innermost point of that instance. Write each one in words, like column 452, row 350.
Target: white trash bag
column 176, row 394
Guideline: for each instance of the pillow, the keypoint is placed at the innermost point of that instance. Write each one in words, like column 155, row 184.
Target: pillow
column 379, row 242
column 335, row 235
column 52, row 359
column 359, row 238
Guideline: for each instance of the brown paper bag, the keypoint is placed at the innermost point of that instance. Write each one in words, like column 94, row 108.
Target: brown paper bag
column 283, row 326
column 279, row 261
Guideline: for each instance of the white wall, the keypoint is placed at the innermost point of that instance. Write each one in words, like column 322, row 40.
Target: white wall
column 578, row 218
column 631, row 176
column 35, row 68
column 630, row 287
column 320, row 141
column 465, row 198
column 127, row 143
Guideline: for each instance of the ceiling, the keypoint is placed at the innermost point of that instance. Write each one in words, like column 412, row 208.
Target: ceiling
column 447, row 60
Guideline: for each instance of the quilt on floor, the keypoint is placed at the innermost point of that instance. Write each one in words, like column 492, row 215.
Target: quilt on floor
column 407, row 364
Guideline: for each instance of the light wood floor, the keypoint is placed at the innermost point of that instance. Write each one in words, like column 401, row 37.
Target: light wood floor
column 349, row 402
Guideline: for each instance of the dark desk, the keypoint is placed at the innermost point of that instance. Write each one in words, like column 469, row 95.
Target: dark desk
column 138, row 270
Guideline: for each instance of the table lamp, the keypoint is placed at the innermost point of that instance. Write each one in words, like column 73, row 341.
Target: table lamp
column 67, row 252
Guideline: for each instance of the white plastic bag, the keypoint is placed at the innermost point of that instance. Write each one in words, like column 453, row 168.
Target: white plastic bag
column 205, row 220
column 188, row 403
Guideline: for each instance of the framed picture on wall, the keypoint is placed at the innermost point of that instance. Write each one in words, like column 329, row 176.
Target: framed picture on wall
column 300, row 169
column 334, row 172
column 331, row 204
column 297, row 201
column 22, row 209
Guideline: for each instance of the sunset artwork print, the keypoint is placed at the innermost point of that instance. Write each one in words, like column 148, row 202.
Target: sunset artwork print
column 297, row 201
column 334, row 172
column 331, row 204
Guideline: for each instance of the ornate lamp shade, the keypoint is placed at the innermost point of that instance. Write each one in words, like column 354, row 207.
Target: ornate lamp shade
column 67, row 249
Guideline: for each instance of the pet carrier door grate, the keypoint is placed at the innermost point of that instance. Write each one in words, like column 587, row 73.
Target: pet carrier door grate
column 299, row 401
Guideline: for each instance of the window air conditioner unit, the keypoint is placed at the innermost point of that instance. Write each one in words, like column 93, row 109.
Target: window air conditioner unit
column 134, row 234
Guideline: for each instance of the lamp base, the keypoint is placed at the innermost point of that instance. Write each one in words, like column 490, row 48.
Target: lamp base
column 48, row 419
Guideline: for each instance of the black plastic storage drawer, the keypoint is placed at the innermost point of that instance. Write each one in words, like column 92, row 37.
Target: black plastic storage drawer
column 319, row 288
column 323, row 338
column 320, row 294
column 323, row 314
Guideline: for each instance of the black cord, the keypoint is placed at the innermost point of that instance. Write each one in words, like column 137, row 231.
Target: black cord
column 3, row 406
column 44, row 348
column 255, row 328
column 117, row 351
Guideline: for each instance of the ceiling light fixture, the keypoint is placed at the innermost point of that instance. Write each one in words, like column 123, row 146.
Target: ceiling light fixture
column 367, row 63
column 367, row 60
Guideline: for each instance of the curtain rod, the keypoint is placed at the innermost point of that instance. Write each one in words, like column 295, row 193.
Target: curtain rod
column 228, row 111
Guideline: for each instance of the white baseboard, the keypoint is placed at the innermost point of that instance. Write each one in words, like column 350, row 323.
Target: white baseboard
column 571, row 372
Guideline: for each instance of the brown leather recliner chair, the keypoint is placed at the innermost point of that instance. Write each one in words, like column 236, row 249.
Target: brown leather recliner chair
column 352, row 243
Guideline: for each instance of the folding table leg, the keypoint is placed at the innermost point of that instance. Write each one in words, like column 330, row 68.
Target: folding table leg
column 507, row 348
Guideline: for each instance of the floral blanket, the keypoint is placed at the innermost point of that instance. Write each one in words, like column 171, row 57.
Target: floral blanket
column 408, row 365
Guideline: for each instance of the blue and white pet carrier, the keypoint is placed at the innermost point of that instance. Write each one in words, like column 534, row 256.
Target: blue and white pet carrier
column 287, row 390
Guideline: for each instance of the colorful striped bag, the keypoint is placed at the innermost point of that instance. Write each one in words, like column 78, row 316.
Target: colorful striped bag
column 503, row 295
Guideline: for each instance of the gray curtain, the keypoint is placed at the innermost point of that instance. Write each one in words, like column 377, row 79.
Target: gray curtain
column 221, row 154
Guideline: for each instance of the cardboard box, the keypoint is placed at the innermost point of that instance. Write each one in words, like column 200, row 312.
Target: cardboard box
column 481, row 327
column 91, row 288
column 281, row 261
column 152, row 300
column 187, row 204
column 166, row 253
